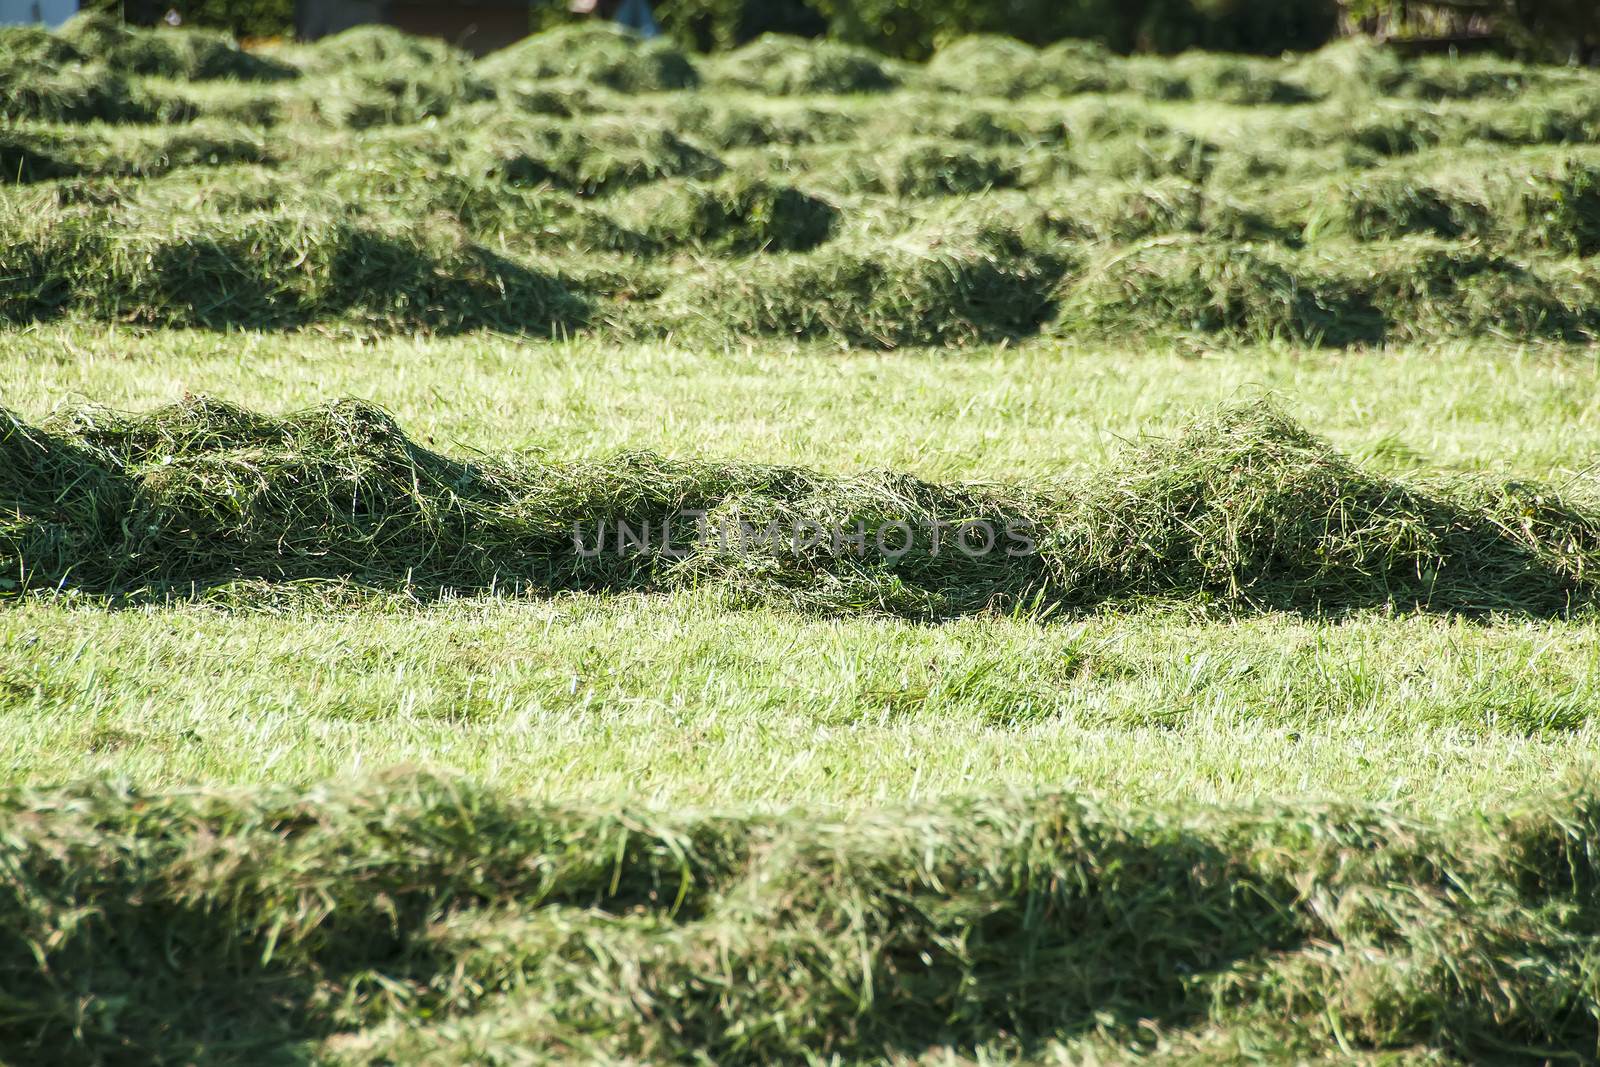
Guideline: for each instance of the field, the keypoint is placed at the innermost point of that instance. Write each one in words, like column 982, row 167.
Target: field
column 323, row 740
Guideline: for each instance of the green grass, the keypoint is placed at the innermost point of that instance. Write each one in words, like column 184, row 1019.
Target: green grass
column 678, row 702
column 315, row 745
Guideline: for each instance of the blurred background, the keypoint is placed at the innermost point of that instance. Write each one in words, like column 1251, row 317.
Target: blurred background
column 1552, row 30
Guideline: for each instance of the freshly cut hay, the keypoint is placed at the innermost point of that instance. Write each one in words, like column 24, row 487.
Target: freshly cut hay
column 1482, row 78
column 880, row 543
column 216, row 493
column 1250, row 508
column 1382, row 130
column 1144, row 156
column 1428, row 288
column 927, row 167
column 725, row 125
column 1354, row 66
column 188, row 54
column 415, row 173
column 981, row 124
column 33, row 155
column 1076, row 66
column 991, row 65
column 562, row 99
column 1561, row 211
column 1403, row 289
column 1140, row 210
column 29, row 156
column 1089, row 119
column 737, row 215
column 1237, row 79
column 378, row 94
column 1190, row 284
column 376, row 46
column 987, row 65
column 1566, row 117
column 269, row 269
column 954, row 286
column 1133, row 211
column 246, row 103
column 598, row 52
column 599, row 155
column 74, row 93
column 1381, row 208
column 56, row 501
column 540, row 221
column 1244, row 509
column 35, row 46
column 792, row 66
column 482, row 919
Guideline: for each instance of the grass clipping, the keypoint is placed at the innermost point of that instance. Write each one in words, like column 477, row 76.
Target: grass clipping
column 417, row 919
column 1245, row 511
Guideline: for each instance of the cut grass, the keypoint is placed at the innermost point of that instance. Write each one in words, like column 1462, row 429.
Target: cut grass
column 1245, row 510
column 1374, row 650
column 576, row 158
column 1003, row 924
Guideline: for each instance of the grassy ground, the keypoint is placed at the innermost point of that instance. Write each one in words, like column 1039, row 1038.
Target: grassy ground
column 1245, row 773
column 686, row 701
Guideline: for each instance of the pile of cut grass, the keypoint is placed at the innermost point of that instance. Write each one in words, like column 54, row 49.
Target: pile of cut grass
column 268, row 268
column 791, row 66
column 74, row 92
column 417, row 918
column 187, row 54
column 1244, row 510
column 990, row 65
column 29, row 155
column 381, row 94
column 600, row 53
column 1236, row 80
column 943, row 285
column 1379, row 208
column 735, row 215
column 547, row 153
column 375, row 46
column 1334, row 295
column 596, row 156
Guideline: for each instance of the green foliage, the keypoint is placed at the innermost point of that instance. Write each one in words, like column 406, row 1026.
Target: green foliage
column 1549, row 29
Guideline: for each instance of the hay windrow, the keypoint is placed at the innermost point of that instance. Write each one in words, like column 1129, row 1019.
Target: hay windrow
column 1245, row 510
column 190, row 54
column 1361, row 198
column 268, row 268
column 600, row 53
column 737, row 216
column 792, row 66
column 338, row 911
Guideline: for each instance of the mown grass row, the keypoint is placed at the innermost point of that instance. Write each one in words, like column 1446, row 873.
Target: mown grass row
column 783, row 66
column 1243, row 510
column 952, row 280
column 1100, row 219
column 415, row 916
column 585, row 181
